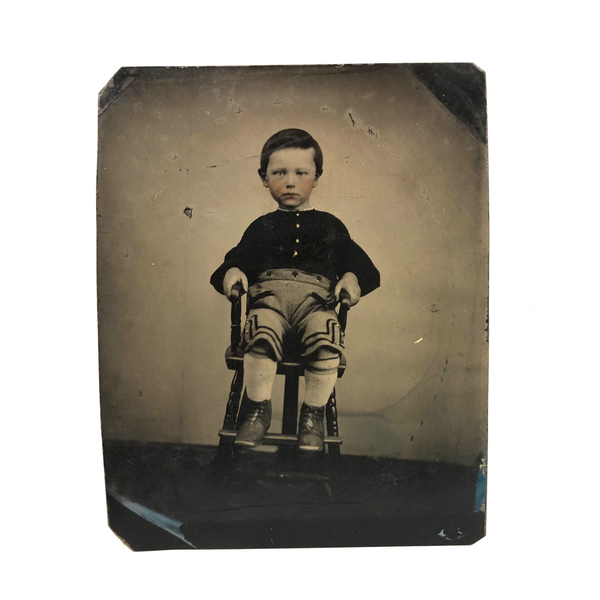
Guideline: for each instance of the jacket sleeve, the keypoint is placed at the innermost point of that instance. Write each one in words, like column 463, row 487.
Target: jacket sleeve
column 353, row 259
column 242, row 256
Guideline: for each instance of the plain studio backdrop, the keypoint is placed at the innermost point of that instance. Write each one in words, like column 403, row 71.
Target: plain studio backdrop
column 406, row 177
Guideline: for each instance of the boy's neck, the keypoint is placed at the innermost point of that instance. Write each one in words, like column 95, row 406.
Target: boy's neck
column 292, row 210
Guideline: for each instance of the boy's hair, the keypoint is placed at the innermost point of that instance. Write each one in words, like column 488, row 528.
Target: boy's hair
column 290, row 138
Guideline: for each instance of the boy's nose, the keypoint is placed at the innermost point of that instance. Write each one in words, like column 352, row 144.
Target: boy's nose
column 291, row 181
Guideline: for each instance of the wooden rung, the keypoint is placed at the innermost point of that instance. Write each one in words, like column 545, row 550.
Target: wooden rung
column 235, row 360
column 278, row 438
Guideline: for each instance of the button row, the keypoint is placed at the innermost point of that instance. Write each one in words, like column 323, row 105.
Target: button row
column 297, row 240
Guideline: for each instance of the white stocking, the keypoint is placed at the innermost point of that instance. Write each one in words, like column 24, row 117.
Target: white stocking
column 320, row 376
column 259, row 374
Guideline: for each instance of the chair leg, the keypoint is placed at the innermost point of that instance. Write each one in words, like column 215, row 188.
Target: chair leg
column 289, row 422
column 290, row 405
column 225, row 449
column 233, row 403
column 332, row 423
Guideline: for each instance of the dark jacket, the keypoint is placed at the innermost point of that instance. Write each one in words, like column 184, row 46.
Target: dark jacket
column 311, row 241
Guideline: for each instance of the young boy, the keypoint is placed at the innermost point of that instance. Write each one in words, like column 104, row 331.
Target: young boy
column 294, row 263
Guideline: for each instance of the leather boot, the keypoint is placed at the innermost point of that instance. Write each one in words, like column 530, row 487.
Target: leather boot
column 256, row 423
column 311, row 432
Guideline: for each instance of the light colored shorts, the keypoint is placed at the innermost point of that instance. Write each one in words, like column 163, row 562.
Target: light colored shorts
column 293, row 311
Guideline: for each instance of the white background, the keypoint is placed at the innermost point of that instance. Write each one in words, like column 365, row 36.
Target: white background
column 540, row 60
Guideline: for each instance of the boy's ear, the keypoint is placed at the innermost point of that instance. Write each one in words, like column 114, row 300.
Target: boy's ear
column 316, row 181
column 263, row 178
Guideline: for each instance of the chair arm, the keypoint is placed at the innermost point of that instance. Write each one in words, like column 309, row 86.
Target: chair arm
column 237, row 291
column 343, row 311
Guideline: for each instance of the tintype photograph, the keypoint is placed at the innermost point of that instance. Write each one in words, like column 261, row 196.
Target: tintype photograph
column 293, row 305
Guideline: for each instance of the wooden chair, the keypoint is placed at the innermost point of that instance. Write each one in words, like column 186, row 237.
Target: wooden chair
column 292, row 368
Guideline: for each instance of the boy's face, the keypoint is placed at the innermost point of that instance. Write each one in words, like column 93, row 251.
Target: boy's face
column 291, row 177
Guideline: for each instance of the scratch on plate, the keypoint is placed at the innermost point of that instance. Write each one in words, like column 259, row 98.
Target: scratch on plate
column 419, row 340
column 165, row 416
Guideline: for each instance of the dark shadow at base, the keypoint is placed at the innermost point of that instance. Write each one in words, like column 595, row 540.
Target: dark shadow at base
column 163, row 496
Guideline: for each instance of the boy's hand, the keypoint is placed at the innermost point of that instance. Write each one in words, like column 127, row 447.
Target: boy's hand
column 348, row 282
column 232, row 277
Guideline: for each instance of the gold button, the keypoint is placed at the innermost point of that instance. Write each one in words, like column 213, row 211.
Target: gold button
column 297, row 225
column 297, row 214
column 295, row 253
column 297, row 241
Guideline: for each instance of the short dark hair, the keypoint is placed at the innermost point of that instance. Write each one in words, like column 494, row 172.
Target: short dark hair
column 290, row 138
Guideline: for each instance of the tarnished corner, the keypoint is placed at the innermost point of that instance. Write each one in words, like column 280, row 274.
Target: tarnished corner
column 479, row 68
column 119, row 82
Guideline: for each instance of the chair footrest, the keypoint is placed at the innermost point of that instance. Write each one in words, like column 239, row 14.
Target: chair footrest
column 278, row 439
